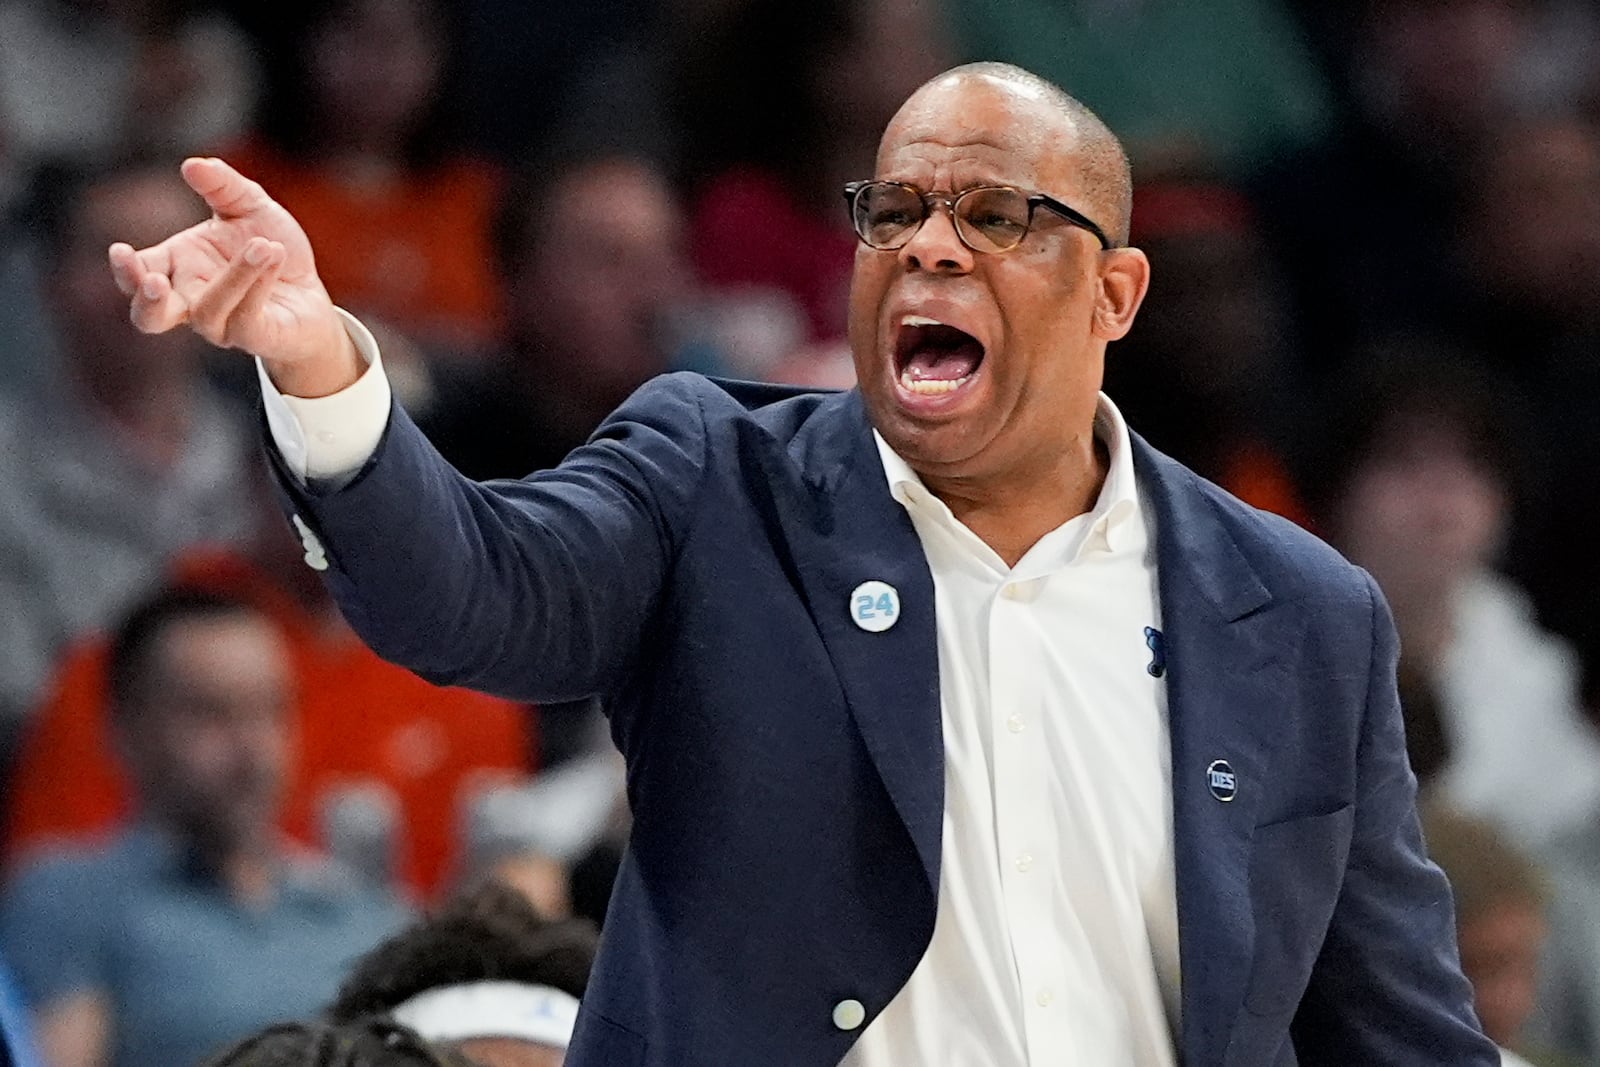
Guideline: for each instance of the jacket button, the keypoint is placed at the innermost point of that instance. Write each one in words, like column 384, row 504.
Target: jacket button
column 849, row 1014
column 316, row 557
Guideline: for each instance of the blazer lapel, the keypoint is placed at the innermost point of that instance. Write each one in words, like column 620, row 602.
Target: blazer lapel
column 843, row 528
column 1228, row 663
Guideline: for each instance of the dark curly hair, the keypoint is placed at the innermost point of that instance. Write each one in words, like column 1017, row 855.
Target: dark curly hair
column 374, row 1041
column 488, row 934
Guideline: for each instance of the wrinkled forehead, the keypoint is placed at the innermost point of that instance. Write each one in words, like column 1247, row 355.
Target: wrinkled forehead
column 962, row 131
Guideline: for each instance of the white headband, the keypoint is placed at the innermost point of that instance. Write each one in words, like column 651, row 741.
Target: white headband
column 534, row 1013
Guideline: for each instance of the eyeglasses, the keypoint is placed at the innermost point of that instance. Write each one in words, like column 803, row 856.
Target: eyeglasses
column 988, row 218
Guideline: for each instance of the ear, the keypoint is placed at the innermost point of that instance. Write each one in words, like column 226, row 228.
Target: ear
column 1124, row 279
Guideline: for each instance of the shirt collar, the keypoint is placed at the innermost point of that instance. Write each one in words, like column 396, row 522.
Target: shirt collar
column 1119, row 495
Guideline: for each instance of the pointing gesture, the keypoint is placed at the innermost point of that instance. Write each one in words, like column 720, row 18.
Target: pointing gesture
column 244, row 278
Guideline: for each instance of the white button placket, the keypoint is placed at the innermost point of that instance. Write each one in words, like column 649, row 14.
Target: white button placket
column 1018, row 758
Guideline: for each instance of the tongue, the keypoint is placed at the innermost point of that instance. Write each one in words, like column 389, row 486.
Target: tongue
column 943, row 362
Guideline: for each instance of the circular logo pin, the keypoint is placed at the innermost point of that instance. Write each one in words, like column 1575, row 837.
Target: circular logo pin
column 1220, row 779
column 874, row 606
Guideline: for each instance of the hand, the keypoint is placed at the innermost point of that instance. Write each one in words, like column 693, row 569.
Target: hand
column 244, row 278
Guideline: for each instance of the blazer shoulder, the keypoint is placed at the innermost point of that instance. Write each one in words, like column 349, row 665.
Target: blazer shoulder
column 780, row 409
column 1294, row 563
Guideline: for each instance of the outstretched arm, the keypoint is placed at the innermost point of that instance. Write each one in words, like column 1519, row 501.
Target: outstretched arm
column 539, row 589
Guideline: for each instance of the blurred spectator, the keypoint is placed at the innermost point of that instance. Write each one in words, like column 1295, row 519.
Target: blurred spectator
column 1418, row 484
column 1530, row 231
column 361, row 723
column 1562, row 563
column 530, row 836
column 590, row 249
column 535, row 73
column 198, row 924
column 129, row 459
column 1219, row 83
column 86, row 80
column 774, row 132
column 359, row 143
column 1427, row 741
column 1440, row 73
column 30, row 357
column 1207, row 373
column 1568, row 1015
column 1363, row 224
column 486, row 976
column 1534, row 302
column 366, row 1043
column 1500, row 898
column 16, row 1032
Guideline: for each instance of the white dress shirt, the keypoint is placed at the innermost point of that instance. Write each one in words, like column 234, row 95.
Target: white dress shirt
column 1056, row 939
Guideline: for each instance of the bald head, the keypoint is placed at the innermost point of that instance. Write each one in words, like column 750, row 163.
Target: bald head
column 1065, row 134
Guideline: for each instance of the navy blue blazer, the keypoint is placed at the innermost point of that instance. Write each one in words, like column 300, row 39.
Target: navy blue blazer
column 692, row 565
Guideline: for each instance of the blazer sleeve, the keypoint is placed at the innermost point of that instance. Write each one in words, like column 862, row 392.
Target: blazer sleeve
column 1388, row 987
column 539, row 589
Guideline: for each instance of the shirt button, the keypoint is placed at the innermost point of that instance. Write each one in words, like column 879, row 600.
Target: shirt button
column 1044, row 997
column 1012, row 591
column 1015, row 724
column 1025, row 862
column 848, row 1014
column 327, row 437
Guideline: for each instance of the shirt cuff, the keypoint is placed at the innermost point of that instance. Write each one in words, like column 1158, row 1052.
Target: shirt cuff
column 330, row 438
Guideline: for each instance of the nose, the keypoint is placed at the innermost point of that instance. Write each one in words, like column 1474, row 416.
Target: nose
column 935, row 247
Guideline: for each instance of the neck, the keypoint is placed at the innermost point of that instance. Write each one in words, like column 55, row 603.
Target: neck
column 155, row 411
column 1010, row 514
column 244, row 867
column 248, row 876
column 1425, row 619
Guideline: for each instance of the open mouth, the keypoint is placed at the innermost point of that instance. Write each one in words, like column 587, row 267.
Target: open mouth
column 932, row 358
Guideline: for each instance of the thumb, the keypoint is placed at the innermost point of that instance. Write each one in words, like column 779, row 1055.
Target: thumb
column 227, row 192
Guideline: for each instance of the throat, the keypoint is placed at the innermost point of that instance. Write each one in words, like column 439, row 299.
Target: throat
column 1013, row 513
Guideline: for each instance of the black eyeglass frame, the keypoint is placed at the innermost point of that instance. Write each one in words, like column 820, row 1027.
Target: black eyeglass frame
column 853, row 190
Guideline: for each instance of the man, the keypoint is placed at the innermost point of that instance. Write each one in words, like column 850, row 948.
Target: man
column 589, row 247
column 1418, row 478
column 1502, row 898
column 127, row 458
column 371, row 1042
column 16, row 1032
column 485, row 977
column 196, row 926
column 892, row 669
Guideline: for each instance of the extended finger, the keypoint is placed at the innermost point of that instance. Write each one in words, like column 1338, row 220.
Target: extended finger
column 226, row 191
column 218, row 301
column 125, row 269
column 129, row 267
column 156, row 308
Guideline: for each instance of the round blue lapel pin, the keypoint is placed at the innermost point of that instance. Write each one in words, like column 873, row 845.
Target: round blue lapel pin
column 1221, row 781
column 874, row 606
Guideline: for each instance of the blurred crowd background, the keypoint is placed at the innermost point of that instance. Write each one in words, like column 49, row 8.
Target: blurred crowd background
column 1375, row 232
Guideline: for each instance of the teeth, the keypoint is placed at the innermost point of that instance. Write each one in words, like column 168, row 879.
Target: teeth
column 919, row 320
column 931, row 386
